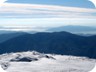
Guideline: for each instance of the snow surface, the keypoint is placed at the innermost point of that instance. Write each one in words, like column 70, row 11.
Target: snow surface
column 94, row 70
column 2, row 70
column 56, row 63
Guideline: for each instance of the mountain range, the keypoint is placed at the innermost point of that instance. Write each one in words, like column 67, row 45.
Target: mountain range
column 8, row 35
column 64, row 43
column 74, row 29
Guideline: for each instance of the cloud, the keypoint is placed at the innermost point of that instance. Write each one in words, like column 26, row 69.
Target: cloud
column 17, row 16
column 2, row 1
column 23, row 28
column 14, row 10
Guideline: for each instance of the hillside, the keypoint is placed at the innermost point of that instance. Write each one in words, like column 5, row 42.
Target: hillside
column 7, row 36
column 39, row 62
column 55, row 43
column 74, row 29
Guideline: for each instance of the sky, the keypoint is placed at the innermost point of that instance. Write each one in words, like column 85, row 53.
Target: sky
column 42, row 14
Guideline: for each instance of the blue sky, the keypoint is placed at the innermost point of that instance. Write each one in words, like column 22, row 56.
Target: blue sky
column 74, row 3
column 37, row 14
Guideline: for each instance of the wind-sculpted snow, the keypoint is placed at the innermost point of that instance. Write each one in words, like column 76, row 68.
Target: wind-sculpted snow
column 45, row 62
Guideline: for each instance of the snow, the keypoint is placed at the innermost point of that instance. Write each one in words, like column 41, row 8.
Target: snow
column 93, row 70
column 58, row 63
column 1, row 69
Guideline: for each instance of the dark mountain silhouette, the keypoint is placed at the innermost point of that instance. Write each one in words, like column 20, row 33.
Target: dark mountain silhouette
column 6, row 31
column 7, row 36
column 55, row 43
column 74, row 29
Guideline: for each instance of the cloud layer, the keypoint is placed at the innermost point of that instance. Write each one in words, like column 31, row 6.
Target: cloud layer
column 2, row 1
column 37, row 17
column 14, row 10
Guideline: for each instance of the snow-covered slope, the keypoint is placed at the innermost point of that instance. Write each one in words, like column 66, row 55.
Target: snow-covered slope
column 2, row 70
column 38, row 62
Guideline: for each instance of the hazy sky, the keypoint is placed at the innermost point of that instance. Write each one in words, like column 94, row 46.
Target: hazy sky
column 36, row 14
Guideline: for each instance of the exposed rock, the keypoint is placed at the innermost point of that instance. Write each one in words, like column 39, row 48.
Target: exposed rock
column 24, row 59
column 5, row 65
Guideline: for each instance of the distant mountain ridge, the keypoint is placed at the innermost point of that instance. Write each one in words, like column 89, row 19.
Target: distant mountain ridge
column 9, row 35
column 74, row 29
column 6, row 32
column 55, row 43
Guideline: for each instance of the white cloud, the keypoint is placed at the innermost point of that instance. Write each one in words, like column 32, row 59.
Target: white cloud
column 40, row 24
column 35, row 10
column 2, row 1
column 35, row 16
